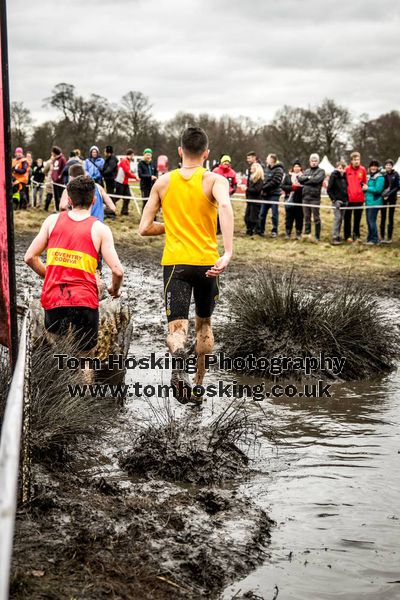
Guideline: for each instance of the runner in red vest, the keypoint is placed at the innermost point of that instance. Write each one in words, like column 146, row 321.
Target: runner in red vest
column 73, row 240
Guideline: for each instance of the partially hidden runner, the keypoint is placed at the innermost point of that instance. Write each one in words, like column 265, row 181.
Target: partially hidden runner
column 96, row 210
column 101, row 197
column 73, row 240
column 190, row 198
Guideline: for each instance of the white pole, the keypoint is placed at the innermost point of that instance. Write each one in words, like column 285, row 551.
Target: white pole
column 10, row 443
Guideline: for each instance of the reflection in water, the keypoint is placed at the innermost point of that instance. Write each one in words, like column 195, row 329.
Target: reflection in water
column 334, row 490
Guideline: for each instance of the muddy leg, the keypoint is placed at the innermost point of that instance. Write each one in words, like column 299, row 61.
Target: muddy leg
column 204, row 345
column 176, row 339
column 177, row 334
column 87, row 373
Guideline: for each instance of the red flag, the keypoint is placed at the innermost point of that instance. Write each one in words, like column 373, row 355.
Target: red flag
column 8, row 312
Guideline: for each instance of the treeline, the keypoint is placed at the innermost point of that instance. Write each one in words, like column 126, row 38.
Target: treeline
column 294, row 132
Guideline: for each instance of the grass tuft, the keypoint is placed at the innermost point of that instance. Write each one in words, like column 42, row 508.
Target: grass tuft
column 273, row 314
column 59, row 421
column 189, row 451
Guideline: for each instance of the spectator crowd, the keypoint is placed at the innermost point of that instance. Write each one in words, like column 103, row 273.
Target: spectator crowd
column 352, row 189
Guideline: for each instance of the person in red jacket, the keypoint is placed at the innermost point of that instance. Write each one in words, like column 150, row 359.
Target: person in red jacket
column 225, row 169
column 356, row 177
column 122, row 181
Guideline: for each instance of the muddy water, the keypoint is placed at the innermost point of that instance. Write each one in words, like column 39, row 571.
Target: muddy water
column 331, row 483
column 334, row 491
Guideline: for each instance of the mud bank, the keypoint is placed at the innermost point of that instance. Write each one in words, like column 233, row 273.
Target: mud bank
column 94, row 537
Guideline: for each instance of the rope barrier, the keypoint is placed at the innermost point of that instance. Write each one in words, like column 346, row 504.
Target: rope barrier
column 242, row 198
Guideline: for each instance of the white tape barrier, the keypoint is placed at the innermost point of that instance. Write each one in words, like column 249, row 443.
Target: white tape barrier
column 10, row 443
column 302, row 204
column 242, row 198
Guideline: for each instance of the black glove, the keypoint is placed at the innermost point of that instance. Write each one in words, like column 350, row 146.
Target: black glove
column 338, row 204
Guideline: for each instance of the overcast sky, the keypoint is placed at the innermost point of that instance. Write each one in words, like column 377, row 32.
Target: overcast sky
column 231, row 56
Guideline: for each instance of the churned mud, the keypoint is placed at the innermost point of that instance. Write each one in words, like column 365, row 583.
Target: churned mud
column 147, row 507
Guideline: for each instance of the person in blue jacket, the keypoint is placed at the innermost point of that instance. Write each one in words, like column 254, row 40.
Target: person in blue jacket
column 94, row 165
column 373, row 199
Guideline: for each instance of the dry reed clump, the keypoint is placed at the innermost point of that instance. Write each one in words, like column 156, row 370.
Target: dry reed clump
column 188, row 451
column 275, row 315
column 57, row 419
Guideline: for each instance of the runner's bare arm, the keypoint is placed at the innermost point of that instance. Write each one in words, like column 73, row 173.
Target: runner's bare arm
column 220, row 192
column 38, row 246
column 64, row 201
column 110, row 256
column 106, row 199
column 148, row 226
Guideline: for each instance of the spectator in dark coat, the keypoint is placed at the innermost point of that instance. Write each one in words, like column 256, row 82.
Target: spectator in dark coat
column 312, row 180
column 38, row 182
column 337, row 192
column 293, row 200
column 392, row 186
column 253, row 192
column 147, row 173
column 110, row 169
column 271, row 191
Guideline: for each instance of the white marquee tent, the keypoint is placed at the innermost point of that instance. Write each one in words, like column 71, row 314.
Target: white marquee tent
column 327, row 165
column 397, row 165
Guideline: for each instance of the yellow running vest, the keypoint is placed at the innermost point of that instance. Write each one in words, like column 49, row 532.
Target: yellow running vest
column 190, row 220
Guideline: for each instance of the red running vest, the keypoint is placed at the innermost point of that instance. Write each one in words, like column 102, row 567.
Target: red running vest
column 71, row 264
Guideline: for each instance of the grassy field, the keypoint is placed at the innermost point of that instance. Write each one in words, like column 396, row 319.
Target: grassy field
column 319, row 259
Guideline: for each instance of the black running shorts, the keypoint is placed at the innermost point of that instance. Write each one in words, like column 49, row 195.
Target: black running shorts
column 82, row 321
column 179, row 282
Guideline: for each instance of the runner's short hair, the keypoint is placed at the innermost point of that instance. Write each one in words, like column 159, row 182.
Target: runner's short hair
column 355, row 155
column 194, row 141
column 252, row 153
column 76, row 170
column 129, row 152
column 81, row 190
column 56, row 150
column 341, row 163
column 273, row 156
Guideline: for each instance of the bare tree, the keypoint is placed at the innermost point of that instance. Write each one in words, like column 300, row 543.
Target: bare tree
column 21, row 124
column 135, row 117
column 290, row 134
column 331, row 124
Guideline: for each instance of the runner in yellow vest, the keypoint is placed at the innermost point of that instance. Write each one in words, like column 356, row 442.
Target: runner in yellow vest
column 190, row 198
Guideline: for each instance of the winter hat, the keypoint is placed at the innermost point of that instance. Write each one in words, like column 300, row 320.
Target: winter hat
column 147, row 151
column 225, row 158
column 296, row 162
column 94, row 148
column 109, row 149
column 19, row 150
